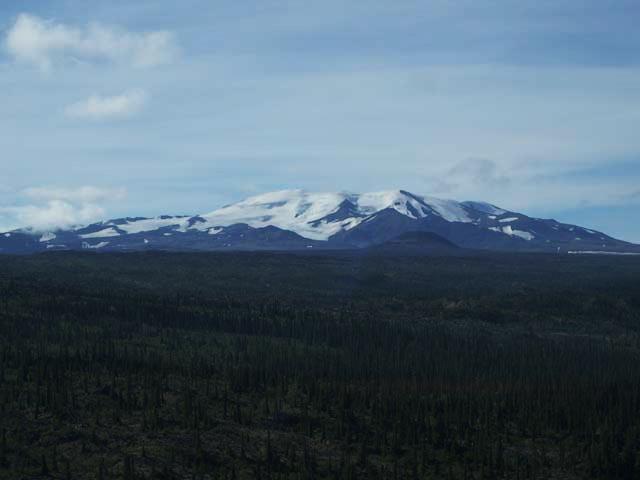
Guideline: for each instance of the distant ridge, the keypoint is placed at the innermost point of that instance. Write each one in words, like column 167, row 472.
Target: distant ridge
column 417, row 243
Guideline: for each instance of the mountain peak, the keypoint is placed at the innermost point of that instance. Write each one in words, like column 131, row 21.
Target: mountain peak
column 319, row 215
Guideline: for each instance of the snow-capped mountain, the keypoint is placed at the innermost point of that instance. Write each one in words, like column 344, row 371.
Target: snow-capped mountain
column 319, row 216
column 295, row 219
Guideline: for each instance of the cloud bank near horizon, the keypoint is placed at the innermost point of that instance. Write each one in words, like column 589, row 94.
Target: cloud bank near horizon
column 46, row 208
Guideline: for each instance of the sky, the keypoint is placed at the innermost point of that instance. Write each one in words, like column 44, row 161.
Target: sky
column 145, row 108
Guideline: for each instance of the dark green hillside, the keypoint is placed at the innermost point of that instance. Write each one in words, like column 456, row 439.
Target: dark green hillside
column 281, row 366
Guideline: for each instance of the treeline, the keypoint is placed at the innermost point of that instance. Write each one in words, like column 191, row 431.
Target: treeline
column 110, row 378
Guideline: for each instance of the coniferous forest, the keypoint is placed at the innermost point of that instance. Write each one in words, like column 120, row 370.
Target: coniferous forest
column 327, row 366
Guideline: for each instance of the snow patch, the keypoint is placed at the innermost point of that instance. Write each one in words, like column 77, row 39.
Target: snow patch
column 107, row 232
column 507, row 230
column 47, row 236
column 151, row 224
column 597, row 252
column 98, row 245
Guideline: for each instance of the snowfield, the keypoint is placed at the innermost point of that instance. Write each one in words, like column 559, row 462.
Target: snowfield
column 305, row 213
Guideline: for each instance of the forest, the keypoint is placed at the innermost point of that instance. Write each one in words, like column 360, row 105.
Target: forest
column 279, row 366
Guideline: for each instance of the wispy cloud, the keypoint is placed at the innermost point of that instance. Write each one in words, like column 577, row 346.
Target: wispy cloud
column 101, row 107
column 42, row 43
column 469, row 174
column 85, row 194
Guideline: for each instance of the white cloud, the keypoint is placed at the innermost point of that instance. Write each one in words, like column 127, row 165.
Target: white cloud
column 58, row 208
column 100, row 107
column 54, row 214
column 41, row 42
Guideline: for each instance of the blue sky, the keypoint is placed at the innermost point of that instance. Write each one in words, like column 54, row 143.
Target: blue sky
column 153, row 107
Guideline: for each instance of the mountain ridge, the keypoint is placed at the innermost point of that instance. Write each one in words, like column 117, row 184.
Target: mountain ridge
column 297, row 219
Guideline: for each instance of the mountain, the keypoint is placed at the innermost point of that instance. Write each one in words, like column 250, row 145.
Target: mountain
column 299, row 220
